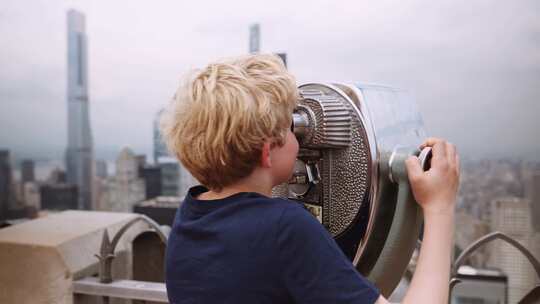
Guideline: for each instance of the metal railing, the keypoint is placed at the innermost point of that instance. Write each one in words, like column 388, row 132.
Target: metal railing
column 530, row 298
column 106, row 287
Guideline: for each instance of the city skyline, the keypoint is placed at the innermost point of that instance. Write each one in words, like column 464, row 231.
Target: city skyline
column 472, row 67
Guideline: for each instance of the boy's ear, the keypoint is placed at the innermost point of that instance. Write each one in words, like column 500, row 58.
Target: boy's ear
column 266, row 161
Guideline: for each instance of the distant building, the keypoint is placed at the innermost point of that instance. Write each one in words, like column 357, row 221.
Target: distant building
column 175, row 179
column 57, row 176
column 254, row 38
column 170, row 177
column 27, row 171
column 152, row 180
column 121, row 191
column 79, row 153
column 141, row 160
column 512, row 217
column 283, row 57
column 483, row 181
column 160, row 149
column 533, row 194
column 469, row 229
column 151, row 176
column 186, row 181
column 59, row 196
column 32, row 195
column 5, row 184
column 101, row 168
column 161, row 209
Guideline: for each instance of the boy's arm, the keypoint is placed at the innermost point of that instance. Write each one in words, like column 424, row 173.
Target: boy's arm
column 435, row 190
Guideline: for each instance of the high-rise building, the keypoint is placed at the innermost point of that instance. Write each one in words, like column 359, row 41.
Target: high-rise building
column 59, row 196
column 160, row 149
column 27, row 171
column 469, row 229
column 32, row 195
column 254, row 38
column 532, row 192
column 5, row 184
column 512, row 217
column 152, row 180
column 175, row 179
column 283, row 57
column 151, row 175
column 101, row 168
column 79, row 154
column 170, row 176
column 121, row 191
column 141, row 160
column 186, row 181
column 169, row 166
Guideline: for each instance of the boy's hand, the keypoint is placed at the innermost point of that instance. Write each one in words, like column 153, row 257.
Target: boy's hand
column 435, row 190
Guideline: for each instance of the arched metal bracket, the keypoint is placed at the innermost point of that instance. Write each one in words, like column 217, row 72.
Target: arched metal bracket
column 482, row 241
column 106, row 252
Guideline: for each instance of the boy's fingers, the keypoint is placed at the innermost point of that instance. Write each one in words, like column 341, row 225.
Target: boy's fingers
column 451, row 153
column 439, row 151
column 458, row 168
column 430, row 142
column 414, row 170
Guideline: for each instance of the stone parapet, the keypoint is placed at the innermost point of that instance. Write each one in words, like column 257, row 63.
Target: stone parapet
column 40, row 259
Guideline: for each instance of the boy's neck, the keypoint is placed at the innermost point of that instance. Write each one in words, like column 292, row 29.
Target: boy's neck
column 249, row 184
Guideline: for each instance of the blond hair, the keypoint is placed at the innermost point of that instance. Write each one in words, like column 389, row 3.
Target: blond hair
column 221, row 116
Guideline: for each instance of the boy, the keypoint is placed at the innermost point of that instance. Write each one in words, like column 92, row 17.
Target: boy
column 229, row 125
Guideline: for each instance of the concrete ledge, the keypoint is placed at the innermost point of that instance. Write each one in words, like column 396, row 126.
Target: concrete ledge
column 126, row 289
column 40, row 259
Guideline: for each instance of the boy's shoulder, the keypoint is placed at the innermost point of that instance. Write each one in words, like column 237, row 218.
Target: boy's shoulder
column 242, row 203
column 246, row 214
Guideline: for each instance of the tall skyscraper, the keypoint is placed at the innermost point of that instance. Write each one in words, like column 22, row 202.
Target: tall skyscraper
column 254, row 38
column 79, row 154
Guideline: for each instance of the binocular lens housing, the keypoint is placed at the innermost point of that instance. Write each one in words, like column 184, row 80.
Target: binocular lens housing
column 300, row 124
column 350, row 172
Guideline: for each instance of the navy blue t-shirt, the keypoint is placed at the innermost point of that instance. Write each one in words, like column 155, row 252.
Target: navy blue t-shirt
column 249, row 248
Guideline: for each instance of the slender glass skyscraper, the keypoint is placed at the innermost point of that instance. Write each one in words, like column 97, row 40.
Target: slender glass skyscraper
column 79, row 154
column 254, row 38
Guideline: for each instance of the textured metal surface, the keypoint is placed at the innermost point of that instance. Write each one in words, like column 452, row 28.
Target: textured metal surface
column 338, row 133
column 329, row 122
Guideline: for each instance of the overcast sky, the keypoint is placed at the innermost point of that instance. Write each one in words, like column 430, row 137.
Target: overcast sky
column 473, row 66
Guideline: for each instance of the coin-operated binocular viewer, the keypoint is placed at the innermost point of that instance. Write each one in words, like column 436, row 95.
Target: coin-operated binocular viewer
column 350, row 173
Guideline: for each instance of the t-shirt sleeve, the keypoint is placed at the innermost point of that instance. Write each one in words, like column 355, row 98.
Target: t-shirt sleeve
column 313, row 267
